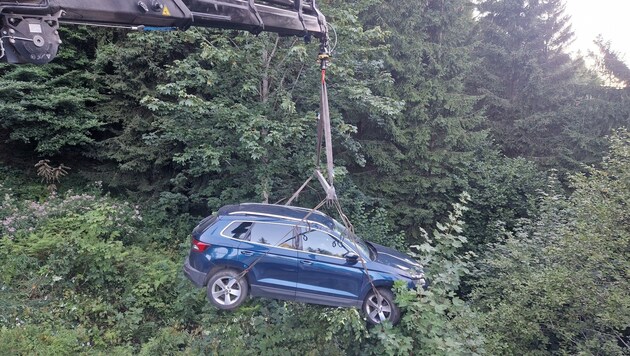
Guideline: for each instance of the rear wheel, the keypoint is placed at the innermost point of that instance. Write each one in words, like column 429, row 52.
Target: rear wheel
column 227, row 290
column 380, row 307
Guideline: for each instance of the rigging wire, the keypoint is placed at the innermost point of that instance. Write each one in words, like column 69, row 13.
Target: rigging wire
column 334, row 30
column 324, row 137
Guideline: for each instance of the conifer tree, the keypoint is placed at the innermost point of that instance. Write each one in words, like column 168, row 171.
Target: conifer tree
column 525, row 76
column 611, row 64
column 416, row 160
column 51, row 108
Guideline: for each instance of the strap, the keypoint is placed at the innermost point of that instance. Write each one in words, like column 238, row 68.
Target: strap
column 325, row 120
column 324, row 135
column 297, row 192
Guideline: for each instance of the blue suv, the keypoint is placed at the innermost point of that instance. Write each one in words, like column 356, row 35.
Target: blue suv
column 292, row 253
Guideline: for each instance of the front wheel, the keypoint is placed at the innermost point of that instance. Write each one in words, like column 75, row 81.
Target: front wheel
column 380, row 307
column 227, row 290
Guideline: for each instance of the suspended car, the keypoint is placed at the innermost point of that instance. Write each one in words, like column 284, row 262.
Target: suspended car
column 297, row 254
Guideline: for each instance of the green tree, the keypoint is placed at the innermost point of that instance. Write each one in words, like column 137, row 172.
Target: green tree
column 435, row 321
column 51, row 108
column 130, row 67
column 560, row 283
column 525, row 76
column 611, row 65
column 599, row 106
column 207, row 118
column 504, row 191
column 416, row 160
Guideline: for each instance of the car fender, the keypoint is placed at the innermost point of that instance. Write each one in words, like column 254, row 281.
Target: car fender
column 379, row 280
column 225, row 264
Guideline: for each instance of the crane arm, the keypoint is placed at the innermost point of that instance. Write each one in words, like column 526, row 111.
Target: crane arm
column 29, row 27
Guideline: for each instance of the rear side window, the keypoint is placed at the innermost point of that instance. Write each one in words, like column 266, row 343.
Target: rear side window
column 239, row 230
column 273, row 234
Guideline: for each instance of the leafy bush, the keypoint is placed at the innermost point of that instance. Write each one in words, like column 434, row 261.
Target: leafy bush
column 97, row 274
column 281, row 328
column 36, row 340
column 436, row 321
column 20, row 217
column 374, row 226
column 560, row 283
column 82, row 260
column 168, row 341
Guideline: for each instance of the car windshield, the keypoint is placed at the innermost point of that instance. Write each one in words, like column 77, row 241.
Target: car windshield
column 353, row 240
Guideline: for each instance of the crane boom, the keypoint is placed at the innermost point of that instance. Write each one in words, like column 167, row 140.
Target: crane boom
column 29, row 27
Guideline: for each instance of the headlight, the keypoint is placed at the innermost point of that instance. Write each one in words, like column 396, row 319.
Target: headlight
column 418, row 279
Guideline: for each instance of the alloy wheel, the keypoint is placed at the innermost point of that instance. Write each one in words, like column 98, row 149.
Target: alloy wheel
column 377, row 308
column 226, row 291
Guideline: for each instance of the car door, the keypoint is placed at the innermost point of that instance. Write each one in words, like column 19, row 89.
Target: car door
column 270, row 249
column 324, row 274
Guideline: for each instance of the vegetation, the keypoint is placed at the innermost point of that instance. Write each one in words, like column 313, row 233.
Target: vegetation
column 560, row 282
column 465, row 134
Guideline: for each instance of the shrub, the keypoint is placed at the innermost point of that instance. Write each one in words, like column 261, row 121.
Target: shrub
column 435, row 321
column 560, row 283
column 83, row 260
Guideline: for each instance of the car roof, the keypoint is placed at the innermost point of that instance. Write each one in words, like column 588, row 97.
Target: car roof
column 279, row 211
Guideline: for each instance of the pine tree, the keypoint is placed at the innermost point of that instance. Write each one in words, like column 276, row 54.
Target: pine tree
column 51, row 108
column 525, row 76
column 416, row 160
column 216, row 117
column 611, row 65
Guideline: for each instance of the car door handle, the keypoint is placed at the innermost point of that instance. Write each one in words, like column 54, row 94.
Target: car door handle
column 304, row 262
column 247, row 253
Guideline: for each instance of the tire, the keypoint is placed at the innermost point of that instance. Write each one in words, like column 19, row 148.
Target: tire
column 388, row 309
column 225, row 291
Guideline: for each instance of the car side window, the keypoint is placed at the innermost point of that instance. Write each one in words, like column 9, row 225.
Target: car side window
column 239, row 230
column 273, row 234
column 316, row 241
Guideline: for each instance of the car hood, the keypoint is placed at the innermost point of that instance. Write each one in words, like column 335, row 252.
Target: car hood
column 395, row 259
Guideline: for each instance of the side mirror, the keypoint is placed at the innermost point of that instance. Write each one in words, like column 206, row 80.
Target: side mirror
column 351, row 257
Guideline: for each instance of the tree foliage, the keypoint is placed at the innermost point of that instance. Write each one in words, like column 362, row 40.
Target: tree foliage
column 436, row 320
column 51, row 108
column 415, row 160
column 528, row 81
column 560, row 283
column 428, row 100
column 611, row 64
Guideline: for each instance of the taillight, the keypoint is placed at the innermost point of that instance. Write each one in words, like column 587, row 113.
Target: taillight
column 198, row 245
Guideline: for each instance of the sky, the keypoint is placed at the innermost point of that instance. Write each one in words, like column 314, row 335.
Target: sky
column 610, row 18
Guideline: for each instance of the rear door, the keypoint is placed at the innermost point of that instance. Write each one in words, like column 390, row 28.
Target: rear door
column 270, row 248
column 324, row 275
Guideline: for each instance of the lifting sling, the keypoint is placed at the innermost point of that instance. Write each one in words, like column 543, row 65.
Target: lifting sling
column 324, row 135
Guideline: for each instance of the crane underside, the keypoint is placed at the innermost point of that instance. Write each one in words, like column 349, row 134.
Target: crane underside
column 29, row 27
